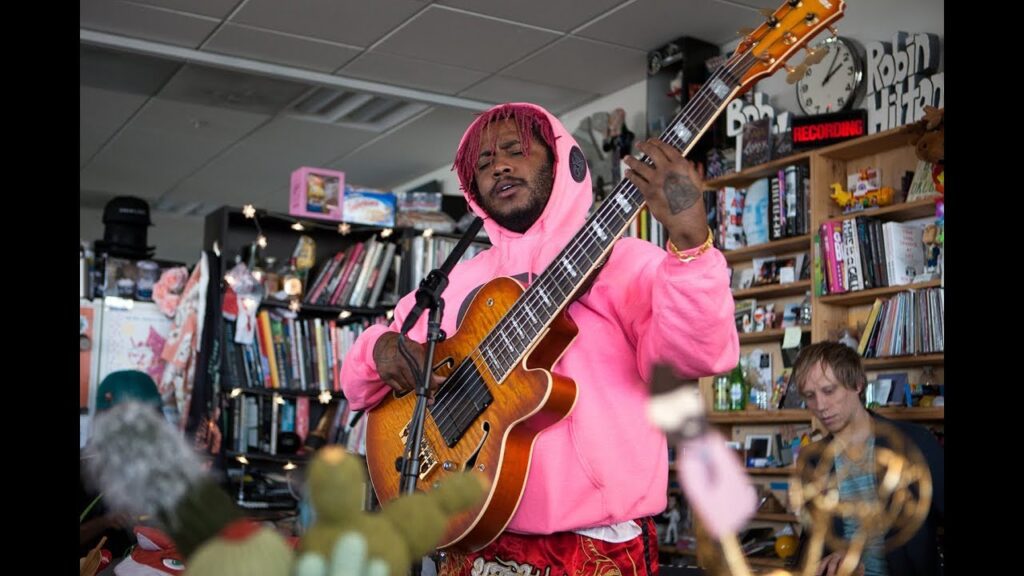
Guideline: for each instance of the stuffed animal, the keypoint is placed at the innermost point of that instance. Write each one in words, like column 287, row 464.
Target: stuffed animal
column 144, row 467
column 928, row 135
column 405, row 529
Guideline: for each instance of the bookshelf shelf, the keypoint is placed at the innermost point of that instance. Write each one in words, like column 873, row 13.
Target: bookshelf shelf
column 903, row 361
column 676, row 551
column 913, row 414
column 282, row 458
column 775, row 517
column 771, row 471
column 329, row 310
column 767, row 335
column 759, row 416
column 289, row 392
column 745, row 177
column 772, row 248
column 773, row 290
column 868, row 296
column 895, row 212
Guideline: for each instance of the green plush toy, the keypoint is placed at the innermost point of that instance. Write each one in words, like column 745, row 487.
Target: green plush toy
column 405, row 529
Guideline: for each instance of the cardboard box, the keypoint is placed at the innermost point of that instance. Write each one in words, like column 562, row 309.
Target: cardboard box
column 317, row 193
column 372, row 207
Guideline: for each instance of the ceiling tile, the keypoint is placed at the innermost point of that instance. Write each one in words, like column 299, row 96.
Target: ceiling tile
column 259, row 167
column 411, row 72
column 236, row 90
column 460, row 39
column 402, row 156
column 647, row 24
column 144, row 22
column 561, row 15
column 354, row 22
column 164, row 143
column 286, row 49
column 100, row 114
column 583, row 65
column 556, row 99
column 123, row 71
column 214, row 8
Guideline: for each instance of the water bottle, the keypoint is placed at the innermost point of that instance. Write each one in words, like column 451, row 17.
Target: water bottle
column 737, row 389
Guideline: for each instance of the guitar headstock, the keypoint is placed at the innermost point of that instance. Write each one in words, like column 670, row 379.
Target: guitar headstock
column 785, row 31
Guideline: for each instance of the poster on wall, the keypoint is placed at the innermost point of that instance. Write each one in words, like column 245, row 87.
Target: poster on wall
column 133, row 339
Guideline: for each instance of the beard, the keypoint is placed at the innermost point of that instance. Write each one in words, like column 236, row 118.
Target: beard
column 521, row 218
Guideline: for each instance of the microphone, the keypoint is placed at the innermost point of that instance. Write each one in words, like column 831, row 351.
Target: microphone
column 431, row 287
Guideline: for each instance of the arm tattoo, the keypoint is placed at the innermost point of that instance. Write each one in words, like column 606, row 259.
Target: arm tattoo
column 680, row 193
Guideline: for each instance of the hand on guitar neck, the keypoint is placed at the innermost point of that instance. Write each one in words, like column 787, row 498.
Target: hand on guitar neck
column 394, row 368
column 674, row 190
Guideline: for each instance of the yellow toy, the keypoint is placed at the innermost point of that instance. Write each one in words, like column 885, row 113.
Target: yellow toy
column 405, row 529
column 878, row 197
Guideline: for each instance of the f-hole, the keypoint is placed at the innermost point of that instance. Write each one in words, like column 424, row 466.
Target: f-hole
column 471, row 462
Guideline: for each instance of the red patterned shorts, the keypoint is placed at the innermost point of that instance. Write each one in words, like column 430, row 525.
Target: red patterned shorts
column 559, row 554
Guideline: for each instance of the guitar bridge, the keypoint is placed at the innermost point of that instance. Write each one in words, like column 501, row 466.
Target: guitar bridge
column 428, row 460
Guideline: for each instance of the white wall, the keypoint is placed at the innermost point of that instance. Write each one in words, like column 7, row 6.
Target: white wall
column 175, row 238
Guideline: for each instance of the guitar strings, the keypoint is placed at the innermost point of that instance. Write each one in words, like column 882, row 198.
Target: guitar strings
column 463, row 376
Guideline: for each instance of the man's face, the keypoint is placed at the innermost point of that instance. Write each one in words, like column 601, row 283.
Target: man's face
column 830, row 402
column 512, row 188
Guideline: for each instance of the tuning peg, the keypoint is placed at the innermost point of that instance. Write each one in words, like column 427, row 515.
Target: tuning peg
column 796, row 73
column 769, row 15
column 816, row 54
column 833, row 30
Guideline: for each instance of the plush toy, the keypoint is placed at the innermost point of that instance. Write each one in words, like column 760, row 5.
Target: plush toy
column 144, row 467
column 928, row 136
column 405, row 529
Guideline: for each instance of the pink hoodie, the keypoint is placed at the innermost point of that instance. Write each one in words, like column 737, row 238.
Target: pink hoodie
column 604, row 463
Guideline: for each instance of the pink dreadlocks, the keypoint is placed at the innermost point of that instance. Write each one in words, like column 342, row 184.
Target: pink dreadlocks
column 527, row 119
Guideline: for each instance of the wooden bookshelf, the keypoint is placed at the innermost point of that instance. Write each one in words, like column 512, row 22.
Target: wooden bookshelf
column 743, row 178
column 891, row 362
column 775, row 335
column 786, row 471
column 917, row 414
column 896, row 212
column 320, row 310
column 773, row 290
column 760, row 416
column 868, row 296
column 289, row 392
column 261, row 456
column 773, row 248
column 775, row 517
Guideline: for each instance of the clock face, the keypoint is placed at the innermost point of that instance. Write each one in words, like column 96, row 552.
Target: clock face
column 831, row 84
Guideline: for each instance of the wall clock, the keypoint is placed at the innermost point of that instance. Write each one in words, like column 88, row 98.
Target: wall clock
column 832, row 84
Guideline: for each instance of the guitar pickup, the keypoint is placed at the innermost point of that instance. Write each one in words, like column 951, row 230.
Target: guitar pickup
column 428, row 460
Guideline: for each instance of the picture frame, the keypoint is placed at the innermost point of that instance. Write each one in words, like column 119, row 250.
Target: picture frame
column 759, row 449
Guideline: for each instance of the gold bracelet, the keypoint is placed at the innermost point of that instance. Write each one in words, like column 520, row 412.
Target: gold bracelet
column 691, row 254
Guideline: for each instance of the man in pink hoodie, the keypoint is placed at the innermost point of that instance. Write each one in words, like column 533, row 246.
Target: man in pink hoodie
column 598, row 475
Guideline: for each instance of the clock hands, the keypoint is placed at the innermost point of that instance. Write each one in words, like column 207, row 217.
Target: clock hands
column 832, row 67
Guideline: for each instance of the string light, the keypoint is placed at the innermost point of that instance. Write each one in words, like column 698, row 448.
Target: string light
column 344, row 228
column 242, row 459
column 344, row 314
column 298, row 227
column 428, row 233
column 290, row 466
column 262, row 241
column 390, row 314
column 216, row 248
column 294, row 305
column 325, row 397
column 278, row 399
column 249, row 211
column 235, row 392
column 386, row 232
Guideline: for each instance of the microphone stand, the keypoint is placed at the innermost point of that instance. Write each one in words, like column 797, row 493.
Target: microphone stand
column 428, row 297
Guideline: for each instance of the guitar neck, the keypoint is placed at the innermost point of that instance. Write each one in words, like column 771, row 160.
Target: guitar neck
column 556, row 287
